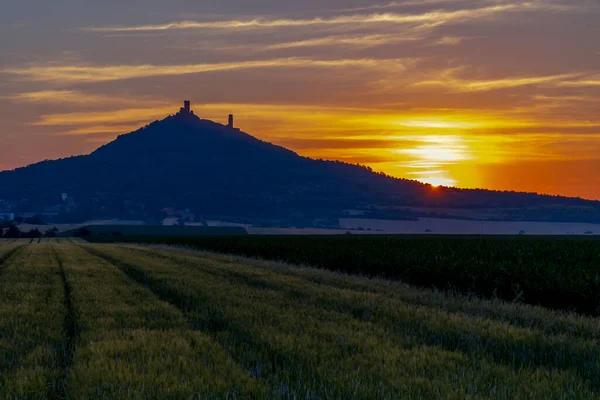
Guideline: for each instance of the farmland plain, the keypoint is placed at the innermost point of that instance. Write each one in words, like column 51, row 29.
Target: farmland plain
column 558, row 272
column 81, row 320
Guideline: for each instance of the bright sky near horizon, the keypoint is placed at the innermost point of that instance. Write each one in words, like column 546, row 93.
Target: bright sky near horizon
column 498, row 94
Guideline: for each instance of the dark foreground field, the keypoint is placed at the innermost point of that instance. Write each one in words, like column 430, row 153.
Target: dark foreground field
column 83, row 321
column 556, row 272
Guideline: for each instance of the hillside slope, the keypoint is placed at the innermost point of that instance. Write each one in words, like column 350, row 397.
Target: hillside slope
column 183, row 161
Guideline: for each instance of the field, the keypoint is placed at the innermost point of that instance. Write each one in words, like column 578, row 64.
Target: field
column 158, row 230
column 556, row 272
column 449, row 226
column 80, row 320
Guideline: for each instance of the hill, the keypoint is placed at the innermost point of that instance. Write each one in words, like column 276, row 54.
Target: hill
column 184, row 162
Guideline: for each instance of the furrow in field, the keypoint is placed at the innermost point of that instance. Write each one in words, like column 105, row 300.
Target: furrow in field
column 132, row 345
column 261, row 274
column 57, row 390
column 8, row 250
column 31, row 312
column 558, row 273
column 315, row 342
column 502, row 342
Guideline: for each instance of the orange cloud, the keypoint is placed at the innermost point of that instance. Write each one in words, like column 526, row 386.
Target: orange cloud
column 357, row 41
column 111, row 117
column 88, row 73
column 74, row 97
column 449, row 40
column 448, row 81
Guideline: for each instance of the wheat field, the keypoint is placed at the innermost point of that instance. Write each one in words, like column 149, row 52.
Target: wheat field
column 83, row 321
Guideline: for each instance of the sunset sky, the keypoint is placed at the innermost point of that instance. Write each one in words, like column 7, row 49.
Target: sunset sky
column 488, row 93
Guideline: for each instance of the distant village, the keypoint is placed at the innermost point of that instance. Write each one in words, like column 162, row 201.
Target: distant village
column 14, row 211
column 66, row 204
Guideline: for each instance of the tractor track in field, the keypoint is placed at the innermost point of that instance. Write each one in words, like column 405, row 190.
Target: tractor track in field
column 158, row 288
column 9, row 254
column 65, row 352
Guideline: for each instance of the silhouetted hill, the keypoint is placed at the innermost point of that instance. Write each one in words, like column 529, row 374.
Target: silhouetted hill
column 214, row 170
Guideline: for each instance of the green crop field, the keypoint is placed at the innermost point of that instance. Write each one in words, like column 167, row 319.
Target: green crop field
column 112, row 321
column 555, row 272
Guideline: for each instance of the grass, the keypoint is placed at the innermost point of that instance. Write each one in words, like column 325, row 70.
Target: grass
column 153, row 322
column 31, row 322
column 560, row 273
column 132, row 345
column 305, row 337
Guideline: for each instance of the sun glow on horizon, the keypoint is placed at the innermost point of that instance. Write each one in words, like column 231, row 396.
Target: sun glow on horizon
column 423, row 147
column 438, row 181
column 437, row 123
column 431, row 155
column 438, row 147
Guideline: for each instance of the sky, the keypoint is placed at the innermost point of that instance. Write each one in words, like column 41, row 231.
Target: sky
column 497, row 94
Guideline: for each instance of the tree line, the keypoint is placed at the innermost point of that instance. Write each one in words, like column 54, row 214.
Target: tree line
column 11, row 231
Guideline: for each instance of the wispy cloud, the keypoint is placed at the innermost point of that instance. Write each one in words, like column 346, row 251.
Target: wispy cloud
column 57, row 96
column 448, row 81
column 561, row 99
column 89, row 73
column 338, row 38
column 449, row 40
column 593, row 80
column 100, row 117
column 542, row 4
column 355, row 41
column 99, row 129
column 73, row 97
column 407, row 3
column 438, row 16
